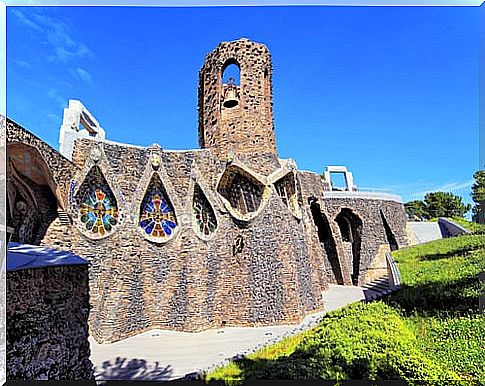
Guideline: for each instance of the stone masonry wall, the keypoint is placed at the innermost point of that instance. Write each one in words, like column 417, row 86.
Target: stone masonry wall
column 374, row 239
column 374, row 236
column 47, row 324
column 248, row 127
column 191, row 283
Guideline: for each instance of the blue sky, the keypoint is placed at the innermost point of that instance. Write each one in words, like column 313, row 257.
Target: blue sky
column 390, row 92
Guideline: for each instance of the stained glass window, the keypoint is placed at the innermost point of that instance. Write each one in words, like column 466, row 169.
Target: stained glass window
column 98, row 211
column 243, row 193
column 157, row 217
column 205, row 218
column 97, row 205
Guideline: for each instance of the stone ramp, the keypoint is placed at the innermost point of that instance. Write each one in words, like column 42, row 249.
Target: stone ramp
column 423, row 232
column 162, row 355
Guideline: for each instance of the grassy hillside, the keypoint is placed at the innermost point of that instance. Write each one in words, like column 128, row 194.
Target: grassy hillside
column 429, row 332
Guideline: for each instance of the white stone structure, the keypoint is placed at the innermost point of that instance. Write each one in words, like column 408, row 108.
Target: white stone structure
column 78, row 122
column 349, row 179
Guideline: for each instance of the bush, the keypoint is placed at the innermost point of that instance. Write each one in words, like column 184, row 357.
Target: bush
column 369, row 341
column 362, row 341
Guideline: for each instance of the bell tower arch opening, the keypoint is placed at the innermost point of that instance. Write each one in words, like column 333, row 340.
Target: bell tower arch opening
column 230, row 86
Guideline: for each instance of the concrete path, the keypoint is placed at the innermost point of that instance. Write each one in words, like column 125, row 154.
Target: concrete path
column 159, row 355
column 424, row 231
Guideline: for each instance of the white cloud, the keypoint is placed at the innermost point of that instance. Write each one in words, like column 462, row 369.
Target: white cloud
column 23, row 63
column 26, row 21
column 60, row 100
column 452, row 187
column 84, row 75
column 62, row 46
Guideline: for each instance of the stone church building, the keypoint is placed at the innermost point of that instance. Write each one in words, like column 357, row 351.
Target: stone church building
column 225, row 235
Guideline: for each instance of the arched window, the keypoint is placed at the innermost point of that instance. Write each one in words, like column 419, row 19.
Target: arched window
column 243, row 192
column 205, row 219
column 98, row 209
column 286, row 188
column 157, row 216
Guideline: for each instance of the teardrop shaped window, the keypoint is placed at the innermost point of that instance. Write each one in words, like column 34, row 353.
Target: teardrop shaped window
column 157, row 216
column 205, row 219
column 98, row 207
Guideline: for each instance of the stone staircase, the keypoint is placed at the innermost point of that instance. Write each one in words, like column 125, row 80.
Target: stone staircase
column 378, row 288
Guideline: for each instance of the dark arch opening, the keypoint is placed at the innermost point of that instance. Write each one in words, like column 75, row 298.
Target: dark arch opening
column 351, row 230
column 391, row 239
column 326, row 238
column 31, row 200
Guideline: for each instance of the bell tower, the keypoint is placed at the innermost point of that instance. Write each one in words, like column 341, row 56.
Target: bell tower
column 233, row 117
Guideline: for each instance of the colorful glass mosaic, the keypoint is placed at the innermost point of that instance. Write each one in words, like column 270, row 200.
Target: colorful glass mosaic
column 205, row 218
column 99, row 213
column 97, row 204
column 157, row 217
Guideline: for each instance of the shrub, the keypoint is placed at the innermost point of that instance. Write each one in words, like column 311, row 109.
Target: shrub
column 362, row 341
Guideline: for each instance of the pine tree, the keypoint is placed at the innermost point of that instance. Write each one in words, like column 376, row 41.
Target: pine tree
column 478, row 196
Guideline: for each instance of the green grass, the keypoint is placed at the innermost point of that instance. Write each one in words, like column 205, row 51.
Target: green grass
column 471, row 226
column 439, row 301
column 427, row 333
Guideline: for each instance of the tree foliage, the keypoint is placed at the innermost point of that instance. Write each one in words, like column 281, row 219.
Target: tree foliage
column 416, row 210
column 478, row 196
column 437, row 204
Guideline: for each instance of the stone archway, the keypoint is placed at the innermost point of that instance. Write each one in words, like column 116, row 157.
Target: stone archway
column 31, row 200
column 350, row 226
column 326, row 239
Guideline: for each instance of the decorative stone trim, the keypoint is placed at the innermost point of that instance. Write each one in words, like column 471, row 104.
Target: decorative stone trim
column 214, row 202
column 97, row 158
column 154, row 167
column 249, row 174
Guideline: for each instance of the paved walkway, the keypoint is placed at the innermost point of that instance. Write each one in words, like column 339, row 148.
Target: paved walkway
column 164, row 355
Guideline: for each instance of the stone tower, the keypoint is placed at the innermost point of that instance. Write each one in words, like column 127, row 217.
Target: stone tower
column 237, row 118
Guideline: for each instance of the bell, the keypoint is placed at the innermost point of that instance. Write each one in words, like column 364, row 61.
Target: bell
column 230, row 96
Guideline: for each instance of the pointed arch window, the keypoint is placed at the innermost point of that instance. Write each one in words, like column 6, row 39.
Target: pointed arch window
column 98, row 207
column 157, row 216
column 205, row 219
